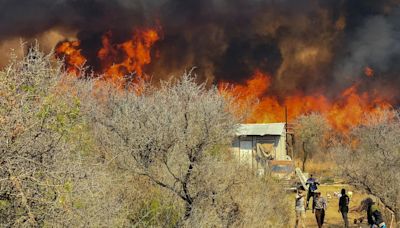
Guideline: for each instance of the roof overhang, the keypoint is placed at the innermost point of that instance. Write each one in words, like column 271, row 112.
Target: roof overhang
column 275, row 129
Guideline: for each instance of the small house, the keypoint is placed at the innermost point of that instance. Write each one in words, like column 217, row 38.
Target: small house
column 256, row 144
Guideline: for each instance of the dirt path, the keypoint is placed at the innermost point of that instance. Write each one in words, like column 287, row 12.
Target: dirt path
column 333, row 219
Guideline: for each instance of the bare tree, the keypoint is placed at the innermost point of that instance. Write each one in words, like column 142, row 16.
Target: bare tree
column 166, row 134
column 35, row 123
column 177, row 137
column 370, row 158
column 310, row 132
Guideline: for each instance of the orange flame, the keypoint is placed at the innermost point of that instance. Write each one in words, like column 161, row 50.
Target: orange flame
column 343, row 113
column 72, row 55
column 116, row 60
column 136, row 52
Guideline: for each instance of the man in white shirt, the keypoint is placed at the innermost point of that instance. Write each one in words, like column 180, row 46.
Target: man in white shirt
column 300, row 209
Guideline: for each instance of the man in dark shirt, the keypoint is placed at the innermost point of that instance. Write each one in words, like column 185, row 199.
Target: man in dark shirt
column 344, row 201
column 312, row 187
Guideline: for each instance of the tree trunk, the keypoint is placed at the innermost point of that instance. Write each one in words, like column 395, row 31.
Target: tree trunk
column 305, row 157
column 188, row 197
column 188, row 210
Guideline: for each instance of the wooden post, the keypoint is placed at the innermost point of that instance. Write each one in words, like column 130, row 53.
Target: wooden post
column 239, row 146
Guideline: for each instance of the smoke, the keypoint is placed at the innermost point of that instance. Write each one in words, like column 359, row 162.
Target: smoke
column 375, row 44
column 306, row 45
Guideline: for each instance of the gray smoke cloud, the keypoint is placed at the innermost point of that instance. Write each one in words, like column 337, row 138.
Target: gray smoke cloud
column 375, row 44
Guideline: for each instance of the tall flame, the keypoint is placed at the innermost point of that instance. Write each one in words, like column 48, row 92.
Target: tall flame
column 116, row 60
column 342, row 113
column 136, row 52
column 72, row 54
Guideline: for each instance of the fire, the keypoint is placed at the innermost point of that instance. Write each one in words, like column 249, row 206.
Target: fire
column 72, row 55
column 254, row 88
column 349, row 110
column 116, row 59
column 342, row 113
column 136, row 52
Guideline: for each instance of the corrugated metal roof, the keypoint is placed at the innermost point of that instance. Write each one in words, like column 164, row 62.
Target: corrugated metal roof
column 261, row 129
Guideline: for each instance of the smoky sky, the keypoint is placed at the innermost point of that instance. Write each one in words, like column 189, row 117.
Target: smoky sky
column 305, row 45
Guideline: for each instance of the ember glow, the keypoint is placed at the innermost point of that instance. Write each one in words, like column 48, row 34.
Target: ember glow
column 345, row 111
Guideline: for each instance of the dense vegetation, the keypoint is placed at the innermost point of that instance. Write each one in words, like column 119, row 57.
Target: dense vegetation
column 84, row 153
column 88, row 153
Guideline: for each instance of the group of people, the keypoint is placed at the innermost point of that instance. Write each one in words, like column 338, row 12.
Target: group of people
column 319, row 206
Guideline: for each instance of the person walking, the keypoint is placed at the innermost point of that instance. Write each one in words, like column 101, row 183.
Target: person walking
column 344, row 202
column 312, row 187
column 300, row 209
column 320, row 206
column 374, row 215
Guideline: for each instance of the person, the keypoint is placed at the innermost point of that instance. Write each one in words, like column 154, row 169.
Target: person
column 312, row 187
column 300, row 209
column 374, row 216
column 344, row 202
column 320, row 206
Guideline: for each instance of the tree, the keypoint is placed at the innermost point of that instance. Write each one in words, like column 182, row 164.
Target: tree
column 370, row 158
column 35, row 124
column 166, row 134
column 177, row 136
column 310, row 134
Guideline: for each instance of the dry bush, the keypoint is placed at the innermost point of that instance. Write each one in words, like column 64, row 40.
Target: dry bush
column 49, row 175
column 109, row 197
column 250, row 202
column 35, row 150
column 370, row 158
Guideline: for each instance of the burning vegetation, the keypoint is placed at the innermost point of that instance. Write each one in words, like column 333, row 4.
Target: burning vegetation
column 343, row 112
column 115, row 60
column 338, row 58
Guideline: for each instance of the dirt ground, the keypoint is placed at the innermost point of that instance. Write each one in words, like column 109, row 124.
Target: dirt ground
column 333, row 219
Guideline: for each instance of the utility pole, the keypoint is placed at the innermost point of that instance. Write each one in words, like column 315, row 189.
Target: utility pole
column 287, row 128
column 286, row 131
